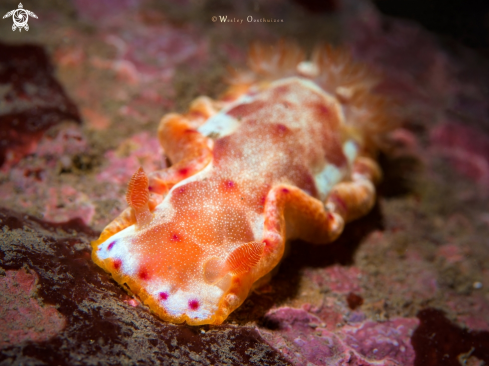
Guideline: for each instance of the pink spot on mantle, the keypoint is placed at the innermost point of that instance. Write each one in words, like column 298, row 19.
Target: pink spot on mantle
column 193, row 304
column 111, row 245
column 323, row 111
column 163, row 296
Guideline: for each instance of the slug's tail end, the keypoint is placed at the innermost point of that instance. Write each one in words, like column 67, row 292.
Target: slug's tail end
column 369, row 114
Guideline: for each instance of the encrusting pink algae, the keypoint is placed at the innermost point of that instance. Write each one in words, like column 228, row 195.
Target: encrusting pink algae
column 405, row 284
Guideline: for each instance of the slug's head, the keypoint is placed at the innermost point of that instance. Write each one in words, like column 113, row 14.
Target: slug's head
column 193, row 259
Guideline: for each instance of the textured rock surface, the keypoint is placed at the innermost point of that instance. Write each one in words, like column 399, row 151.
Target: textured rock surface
column 23, row 318
column 91, row 319
column 305, row 339
column 31, row 99
column 406, row 285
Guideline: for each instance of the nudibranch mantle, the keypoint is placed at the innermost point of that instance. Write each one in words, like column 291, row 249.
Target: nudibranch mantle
column 284, row 154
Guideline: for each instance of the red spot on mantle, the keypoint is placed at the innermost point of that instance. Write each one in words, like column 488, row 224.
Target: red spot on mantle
column 322, row 110
column 281, row 129
column 117, row 264
column 339, row 202
column 193, row 304
column 143, row 274
column 183, row 171
column 175, row 237
column 163, row 296
column 285, row 190
column 246, row 109
column 111, row 245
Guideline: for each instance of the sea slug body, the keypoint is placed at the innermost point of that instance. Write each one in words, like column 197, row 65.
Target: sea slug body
column 287, row 152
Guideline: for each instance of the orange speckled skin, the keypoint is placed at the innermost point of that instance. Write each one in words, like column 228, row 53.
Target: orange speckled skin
column 286, row 153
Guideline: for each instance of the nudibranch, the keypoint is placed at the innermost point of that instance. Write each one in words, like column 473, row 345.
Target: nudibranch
column 287, row 152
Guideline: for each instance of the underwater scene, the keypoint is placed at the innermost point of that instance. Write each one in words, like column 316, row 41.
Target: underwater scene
column 263, row 182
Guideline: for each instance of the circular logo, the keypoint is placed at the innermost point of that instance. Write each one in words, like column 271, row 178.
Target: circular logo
column 214, row 19
column 20, row 18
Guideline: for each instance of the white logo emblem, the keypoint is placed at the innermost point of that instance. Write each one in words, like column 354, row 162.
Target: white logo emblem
column 20, row 17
